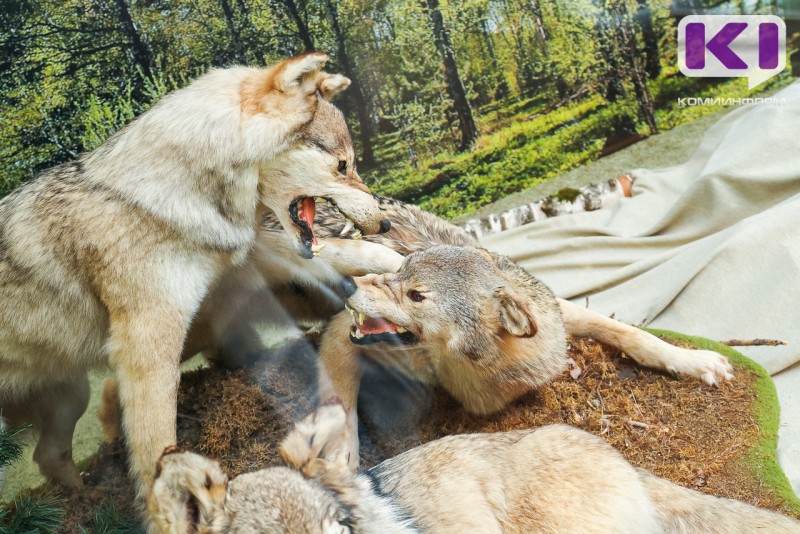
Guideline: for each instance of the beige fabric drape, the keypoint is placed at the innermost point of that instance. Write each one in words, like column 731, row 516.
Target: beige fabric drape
column 710, row 247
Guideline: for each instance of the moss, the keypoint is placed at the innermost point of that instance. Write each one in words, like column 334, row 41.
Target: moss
column 567, row 194
column 761, row 458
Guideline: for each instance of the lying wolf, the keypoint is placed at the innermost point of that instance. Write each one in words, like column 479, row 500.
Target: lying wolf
column 551, row 479
column 109, row 258
column 452, row 314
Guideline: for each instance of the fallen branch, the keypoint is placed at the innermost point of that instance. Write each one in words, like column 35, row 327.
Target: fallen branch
column 638, row 424
column 758, row 342
column 566, row 201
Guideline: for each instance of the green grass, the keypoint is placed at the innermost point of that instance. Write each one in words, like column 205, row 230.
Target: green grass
column 523, row 144
column 761, row 458
column 31, row 515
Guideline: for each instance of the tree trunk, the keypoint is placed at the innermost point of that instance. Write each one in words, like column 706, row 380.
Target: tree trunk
column 501, row 89
column 455, row 87
column 566, row 201
column 541, row 31
column 627, row 45
column 139, row 50
column 302, row 27
column 623, row 125
column 615, row 89
column 365, row 126
column 525, row 76
column 236, row 37
column 644, row 19
column 541, row 38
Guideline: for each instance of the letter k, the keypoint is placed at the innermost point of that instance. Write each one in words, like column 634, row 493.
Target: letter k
column 719, row 45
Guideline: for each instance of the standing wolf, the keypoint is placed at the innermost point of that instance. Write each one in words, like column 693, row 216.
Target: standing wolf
column 108, row 258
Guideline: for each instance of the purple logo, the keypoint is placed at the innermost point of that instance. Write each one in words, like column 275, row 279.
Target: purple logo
column 752, row 46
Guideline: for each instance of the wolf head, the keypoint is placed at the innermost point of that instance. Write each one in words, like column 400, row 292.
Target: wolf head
column 316, row 494
column 474, row 311
column 452, row 297
column 320, row 165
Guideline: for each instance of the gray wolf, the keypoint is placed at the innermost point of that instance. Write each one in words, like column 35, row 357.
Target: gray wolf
column 551, row 479
column 109, row 258
column 445, row 312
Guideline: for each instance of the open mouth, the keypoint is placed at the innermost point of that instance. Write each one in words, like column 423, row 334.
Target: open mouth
column 368, row 330
column 303, row 210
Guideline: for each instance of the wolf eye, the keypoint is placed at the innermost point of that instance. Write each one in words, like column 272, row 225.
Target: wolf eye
column 342, row 166
column 416, row 296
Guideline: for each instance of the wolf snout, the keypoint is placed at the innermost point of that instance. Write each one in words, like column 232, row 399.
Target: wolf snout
column 348, row 286
column 386, row 225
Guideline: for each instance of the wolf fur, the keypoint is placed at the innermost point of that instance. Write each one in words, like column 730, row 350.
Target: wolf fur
column 487, row 330
column 108, row 258
column 551, row 479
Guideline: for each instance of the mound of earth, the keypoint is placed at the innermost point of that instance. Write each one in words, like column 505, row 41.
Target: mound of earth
column 709, row 439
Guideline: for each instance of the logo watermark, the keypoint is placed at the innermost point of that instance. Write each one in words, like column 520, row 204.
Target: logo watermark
column 752, row 46
column 690, row 101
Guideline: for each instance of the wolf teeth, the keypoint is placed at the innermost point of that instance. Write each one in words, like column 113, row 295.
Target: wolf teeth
column 347, row 227
column 361, row 318
column 357, row 234
column 401, row 330
column 358, row 334
column 321, row 200
column 317, row 248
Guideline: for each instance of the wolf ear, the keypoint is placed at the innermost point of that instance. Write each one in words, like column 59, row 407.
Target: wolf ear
column 331, row 85
column 296, row 72
column 513, row 314
column 316, row 445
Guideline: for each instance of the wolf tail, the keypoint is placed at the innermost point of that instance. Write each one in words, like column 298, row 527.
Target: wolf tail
column 685, row 511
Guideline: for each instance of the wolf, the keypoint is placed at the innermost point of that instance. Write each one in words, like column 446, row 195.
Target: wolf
column 426, row 300
column 108, row 259
column 550, row 479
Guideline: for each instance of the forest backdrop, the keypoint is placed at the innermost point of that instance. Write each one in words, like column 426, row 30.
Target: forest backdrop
column 453, row 104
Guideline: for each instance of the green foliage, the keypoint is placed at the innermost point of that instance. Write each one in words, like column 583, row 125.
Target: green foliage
column 26, row 514
column 10, row 447
column 761, row 457
column 73, row 72
column 526, row 143
column 101, row 119
column 107, row 520
column 31, row 515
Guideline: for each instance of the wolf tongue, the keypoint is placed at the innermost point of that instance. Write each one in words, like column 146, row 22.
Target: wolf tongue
column 306, row 211
column 376, row 325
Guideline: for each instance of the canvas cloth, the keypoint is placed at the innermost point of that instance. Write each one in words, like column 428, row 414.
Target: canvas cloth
column 710, row 247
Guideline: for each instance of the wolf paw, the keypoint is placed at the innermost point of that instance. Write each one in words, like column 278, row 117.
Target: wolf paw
column 709, row 366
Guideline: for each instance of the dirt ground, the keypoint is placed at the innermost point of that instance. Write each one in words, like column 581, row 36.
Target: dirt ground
column 682, row 430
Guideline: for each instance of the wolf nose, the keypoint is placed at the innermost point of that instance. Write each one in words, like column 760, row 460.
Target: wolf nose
column 348, row 286
column 385, row 226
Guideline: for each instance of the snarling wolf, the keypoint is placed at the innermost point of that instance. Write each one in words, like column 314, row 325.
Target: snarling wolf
column 108, row 258
column 446, row 312
column 551, row 479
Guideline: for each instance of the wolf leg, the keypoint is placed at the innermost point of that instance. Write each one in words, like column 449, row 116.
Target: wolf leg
column 645, row 348
column 54, row 415
column 109, row 413
column 340, row 377
column 356, row 257
column 146, row 349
